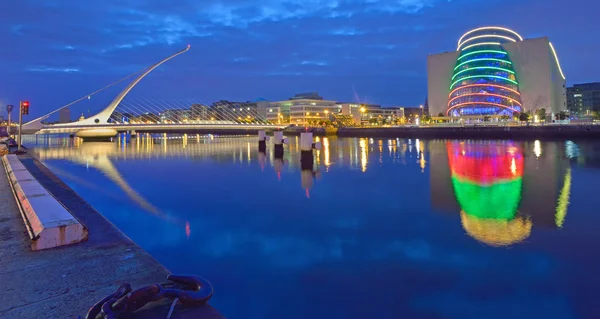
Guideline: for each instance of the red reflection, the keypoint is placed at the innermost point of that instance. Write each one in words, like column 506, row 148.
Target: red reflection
column 188, row 231
column 485, row 163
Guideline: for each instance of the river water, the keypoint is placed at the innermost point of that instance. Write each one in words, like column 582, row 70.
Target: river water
column 372, row 228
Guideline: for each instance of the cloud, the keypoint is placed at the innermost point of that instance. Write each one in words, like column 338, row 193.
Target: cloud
column 346, row 31
column 318, row 63
column 16, row 29
column 404, row 6
column 53, row 69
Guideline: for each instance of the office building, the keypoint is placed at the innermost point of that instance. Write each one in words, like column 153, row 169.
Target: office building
column 175, row 116
column 64, row 115
column 583, row 99
column 495, row 72
column 200, row 112
column 302, row 109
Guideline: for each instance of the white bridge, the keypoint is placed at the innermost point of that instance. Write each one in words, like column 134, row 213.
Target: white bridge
column 100, row 125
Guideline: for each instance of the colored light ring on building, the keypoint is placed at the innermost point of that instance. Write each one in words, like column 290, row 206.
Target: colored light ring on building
column 483, row 85
column 489, row 28
column 485, row 36
column 483, row 68
column 481, row 103
column 485, row 94
column 481, row 59
column 475, row 91
column 483, row 76
column 481, row 51
column 479, row 44
column 496, row 233
column 557, row 62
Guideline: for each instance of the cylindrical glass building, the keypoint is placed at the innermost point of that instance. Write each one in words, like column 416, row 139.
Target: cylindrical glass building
column 484, row 81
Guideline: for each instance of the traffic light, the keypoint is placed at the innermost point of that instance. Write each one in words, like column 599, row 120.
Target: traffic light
column 25, row 107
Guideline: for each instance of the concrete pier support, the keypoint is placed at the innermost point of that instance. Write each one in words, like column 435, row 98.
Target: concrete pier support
column 307, row 174
column 278, row 142
column 306, row 142
column 97, row 134
column 262, row 141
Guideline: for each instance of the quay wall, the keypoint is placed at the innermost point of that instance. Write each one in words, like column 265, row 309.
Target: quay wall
column 479, row 132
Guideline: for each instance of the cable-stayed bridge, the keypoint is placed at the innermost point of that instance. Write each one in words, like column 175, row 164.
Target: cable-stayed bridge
column 151, row 115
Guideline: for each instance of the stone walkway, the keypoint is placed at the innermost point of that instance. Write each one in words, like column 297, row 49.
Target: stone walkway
column 64, row 282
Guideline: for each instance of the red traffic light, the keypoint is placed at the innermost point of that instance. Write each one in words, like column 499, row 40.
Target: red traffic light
column 25, row 107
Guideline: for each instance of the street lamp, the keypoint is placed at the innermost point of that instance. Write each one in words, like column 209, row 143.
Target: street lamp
column 421, row 107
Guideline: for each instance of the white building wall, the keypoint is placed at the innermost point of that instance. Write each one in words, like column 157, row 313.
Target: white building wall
column 540, row 83
column 439, row 75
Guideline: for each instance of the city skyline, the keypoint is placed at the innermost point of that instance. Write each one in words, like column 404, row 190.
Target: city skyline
column 370, row 51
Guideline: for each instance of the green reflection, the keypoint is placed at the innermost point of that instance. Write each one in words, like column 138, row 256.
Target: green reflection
column 498, row 201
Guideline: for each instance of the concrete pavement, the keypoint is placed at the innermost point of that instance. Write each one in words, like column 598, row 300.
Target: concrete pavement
column 64, row 282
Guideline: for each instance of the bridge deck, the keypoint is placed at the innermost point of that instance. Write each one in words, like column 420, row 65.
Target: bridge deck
column 162, row 128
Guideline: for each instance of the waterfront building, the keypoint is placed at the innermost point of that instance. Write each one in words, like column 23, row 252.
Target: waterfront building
column 375, row 114
column 414, row 113
column 302, row 109
column 64, row 115
column 200, row 112
column 242, row 111
column 146, row 118
column 262, row 105
column 175, row 116
column 583, row 99
column 495, row 72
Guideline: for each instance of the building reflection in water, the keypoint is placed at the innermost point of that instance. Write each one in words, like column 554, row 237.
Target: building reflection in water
column 501, row 188
column 487, row 180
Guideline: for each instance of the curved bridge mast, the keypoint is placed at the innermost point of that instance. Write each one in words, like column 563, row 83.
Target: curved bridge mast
column 102, row 117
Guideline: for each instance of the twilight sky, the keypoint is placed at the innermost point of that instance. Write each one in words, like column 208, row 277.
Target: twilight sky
column 55, row 51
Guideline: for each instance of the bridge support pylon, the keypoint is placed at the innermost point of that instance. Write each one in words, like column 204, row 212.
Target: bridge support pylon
column 97, row 134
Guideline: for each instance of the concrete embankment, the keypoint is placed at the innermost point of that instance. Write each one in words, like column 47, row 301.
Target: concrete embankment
column 64, row 282
column 479, row 132
column 47, row 221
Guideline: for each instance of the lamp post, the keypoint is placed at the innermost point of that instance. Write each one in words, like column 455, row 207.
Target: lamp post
column 362, row 114
column 9, row 109
column 421, row 107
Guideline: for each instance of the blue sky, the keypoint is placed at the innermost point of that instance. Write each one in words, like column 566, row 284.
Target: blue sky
column 54, row 51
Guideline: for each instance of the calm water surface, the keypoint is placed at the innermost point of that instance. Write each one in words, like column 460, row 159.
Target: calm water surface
column 373, row 228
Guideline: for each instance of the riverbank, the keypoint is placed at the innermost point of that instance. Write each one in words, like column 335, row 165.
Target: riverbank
column 478, row 132
column 64, row 282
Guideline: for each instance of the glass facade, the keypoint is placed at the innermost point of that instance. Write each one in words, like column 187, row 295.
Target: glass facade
column 484, row 81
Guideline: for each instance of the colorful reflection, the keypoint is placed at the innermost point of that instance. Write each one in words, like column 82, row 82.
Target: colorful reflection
column 487, row 178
